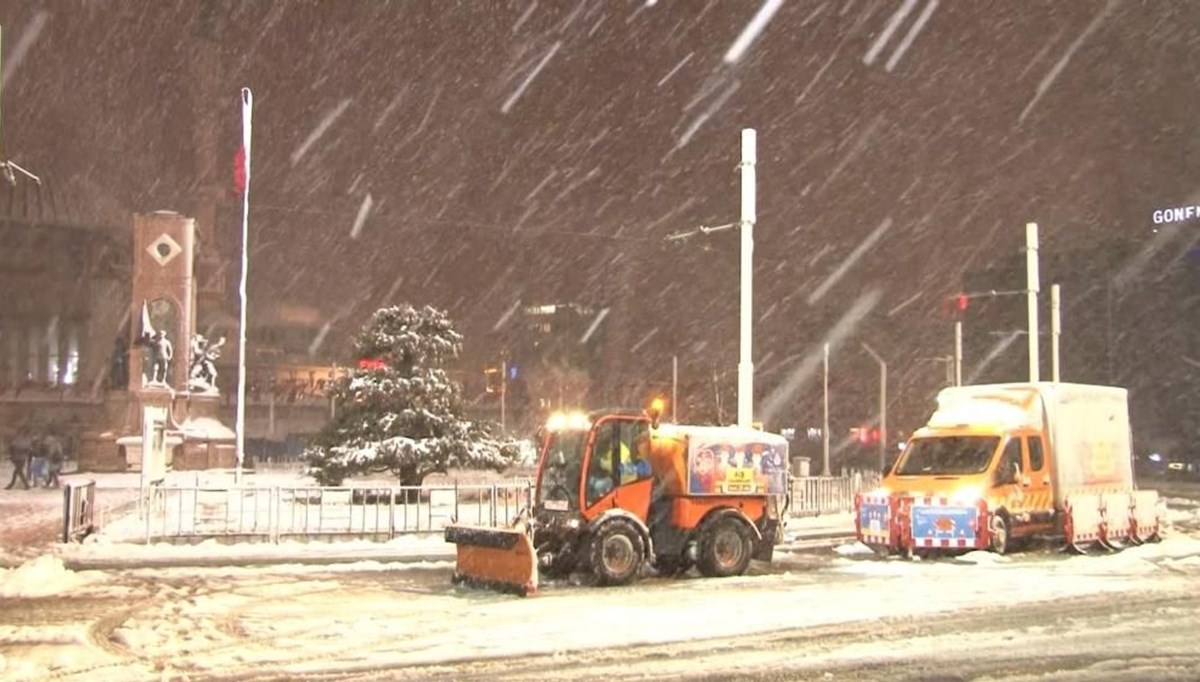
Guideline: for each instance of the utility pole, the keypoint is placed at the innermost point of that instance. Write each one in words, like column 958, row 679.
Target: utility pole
column 1055, row 331
column 674, row 388
column 745, row 362
column 1031, row 292
column 958, row 359
column 503, row 392
column 825, row 421
column 882, row 406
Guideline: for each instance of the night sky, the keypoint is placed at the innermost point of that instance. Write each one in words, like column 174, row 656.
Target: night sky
column 540, row 152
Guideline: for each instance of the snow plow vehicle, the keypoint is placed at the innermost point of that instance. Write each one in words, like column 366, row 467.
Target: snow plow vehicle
column 1002, row 463
column 617, row 491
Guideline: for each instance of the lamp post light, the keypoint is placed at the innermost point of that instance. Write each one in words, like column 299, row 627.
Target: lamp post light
column 883, row 438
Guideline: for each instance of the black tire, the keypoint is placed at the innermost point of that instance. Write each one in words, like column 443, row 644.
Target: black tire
column 725, row 548
column 1000, row 531
column 618, row 553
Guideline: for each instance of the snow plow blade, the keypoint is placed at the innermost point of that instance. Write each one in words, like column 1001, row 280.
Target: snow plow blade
column 500, row 559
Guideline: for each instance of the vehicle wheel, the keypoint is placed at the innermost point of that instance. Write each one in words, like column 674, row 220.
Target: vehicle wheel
column 1000, row 540
column 617, row 553
column 725, row 548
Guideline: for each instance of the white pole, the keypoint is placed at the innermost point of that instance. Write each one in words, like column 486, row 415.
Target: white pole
column 825, row 421
column 882, row 405
column 247, row 114
column 674, row 388
column 503, row 391
column 1031, row 292
column 1055, row 330
column 745, row 363
column 958, row 353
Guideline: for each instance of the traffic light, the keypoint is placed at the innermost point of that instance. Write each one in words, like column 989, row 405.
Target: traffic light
column 956, row 306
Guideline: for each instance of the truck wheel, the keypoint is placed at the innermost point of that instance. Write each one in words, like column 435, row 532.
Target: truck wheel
column 617, row 553
column 725, row 549
column 999, row 529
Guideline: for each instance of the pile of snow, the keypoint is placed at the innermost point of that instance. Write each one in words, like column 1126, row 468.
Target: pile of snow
column 44, row 576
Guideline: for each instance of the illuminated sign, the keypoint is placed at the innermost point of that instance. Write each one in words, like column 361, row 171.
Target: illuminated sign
column 1179, row 214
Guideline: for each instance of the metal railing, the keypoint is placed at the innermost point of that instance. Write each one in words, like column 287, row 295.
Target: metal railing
column 281, row 512
column 79, row 510
column 815, row 495
column 214, row 507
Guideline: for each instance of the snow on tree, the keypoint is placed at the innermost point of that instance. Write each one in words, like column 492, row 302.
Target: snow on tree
column 399, row 411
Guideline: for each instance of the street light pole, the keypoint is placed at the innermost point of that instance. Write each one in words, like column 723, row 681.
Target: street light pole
column 958, row 358
column 1055, row 331
column 1031, row 292
column 825, row 421
column 745, row 363
column 882, row 406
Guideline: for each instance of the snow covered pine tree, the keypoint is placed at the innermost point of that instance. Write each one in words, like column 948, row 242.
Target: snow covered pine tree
column 399, row 411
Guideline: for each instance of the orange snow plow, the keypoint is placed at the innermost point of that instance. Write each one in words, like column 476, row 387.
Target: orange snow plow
column 617, row 493
column 495, row 558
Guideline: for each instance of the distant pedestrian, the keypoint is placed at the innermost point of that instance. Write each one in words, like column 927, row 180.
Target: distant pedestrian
column 54, row 459
column 37, row 461
column 19, row 453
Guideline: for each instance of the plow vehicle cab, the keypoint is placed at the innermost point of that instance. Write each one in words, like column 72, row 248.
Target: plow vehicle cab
column 616, row 491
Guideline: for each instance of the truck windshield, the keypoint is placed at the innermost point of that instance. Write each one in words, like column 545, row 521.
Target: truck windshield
column 563, row 465
column 947, row 456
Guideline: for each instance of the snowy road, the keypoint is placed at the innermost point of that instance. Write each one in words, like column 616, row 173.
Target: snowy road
column 1126, row 616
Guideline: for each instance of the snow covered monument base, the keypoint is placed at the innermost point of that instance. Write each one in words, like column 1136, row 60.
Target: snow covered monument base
column 171, row 417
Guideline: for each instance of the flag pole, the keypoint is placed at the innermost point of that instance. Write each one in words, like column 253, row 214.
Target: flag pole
column 247, row 113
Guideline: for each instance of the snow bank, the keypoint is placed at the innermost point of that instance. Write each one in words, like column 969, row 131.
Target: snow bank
column 45, row 576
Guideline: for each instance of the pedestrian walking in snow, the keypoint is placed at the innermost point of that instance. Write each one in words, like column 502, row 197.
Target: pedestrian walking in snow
column 18, row 454
column 54, row 460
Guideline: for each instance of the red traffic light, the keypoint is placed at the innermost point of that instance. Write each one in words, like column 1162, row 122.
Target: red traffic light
column 961, row 302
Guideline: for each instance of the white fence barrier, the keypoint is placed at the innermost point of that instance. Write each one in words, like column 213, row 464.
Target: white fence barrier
column 213, row 508
column 815, row 495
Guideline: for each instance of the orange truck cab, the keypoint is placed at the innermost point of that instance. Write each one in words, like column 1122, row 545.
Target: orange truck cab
column 616, row 490
column 1003, row 462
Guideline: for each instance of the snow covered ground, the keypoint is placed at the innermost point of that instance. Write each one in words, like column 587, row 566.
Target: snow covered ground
column 160, row 613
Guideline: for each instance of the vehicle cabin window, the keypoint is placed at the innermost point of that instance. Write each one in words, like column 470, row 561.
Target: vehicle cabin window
column 1037, row 459
column 620, row 456
column 1009, row 461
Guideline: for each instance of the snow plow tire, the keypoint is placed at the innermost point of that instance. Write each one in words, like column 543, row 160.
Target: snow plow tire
column 725, row 548
column 618, row 553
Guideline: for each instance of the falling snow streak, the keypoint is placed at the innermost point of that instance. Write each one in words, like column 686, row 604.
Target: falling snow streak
column 319, row 338
column 752, row 31
column 997, row 349
column 649, row 335
column 1050, row 77
column 783, row 397
column 512, row 309
column 894, row 23
column 842, row 269
column 524, row 16
column 545, row 181
column 677, row 68
column 905, row 303
column 702, row 118
column 387, row 111
column 909, row 37
column 28, row 37
column 850, row 33
column 594, row 325
column 364, row 209
column 425, row 119
column 859, row 145
column 512, row 99
column 320, row 130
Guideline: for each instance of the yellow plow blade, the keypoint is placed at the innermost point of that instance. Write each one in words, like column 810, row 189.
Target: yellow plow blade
column 496, row 558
